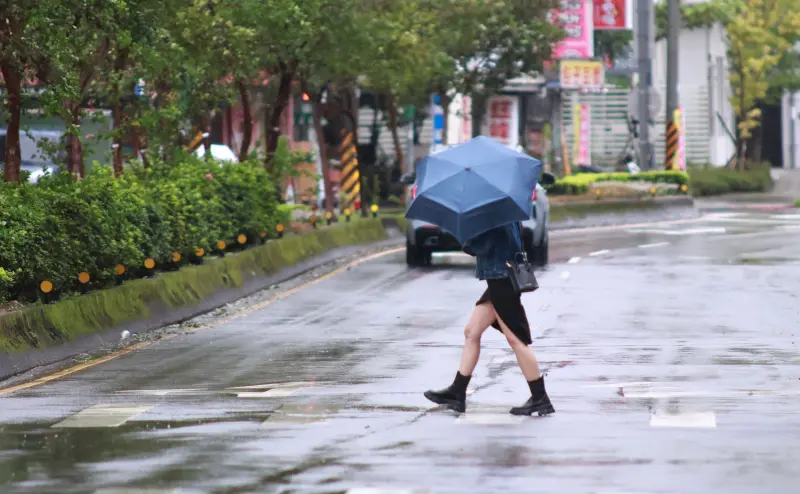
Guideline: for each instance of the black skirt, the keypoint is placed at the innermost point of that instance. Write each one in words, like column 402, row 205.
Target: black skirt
column 509, row 307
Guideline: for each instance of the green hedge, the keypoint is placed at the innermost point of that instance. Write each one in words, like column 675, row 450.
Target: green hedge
column 579, row 183
column 60, row 227
column 42, row 326
column 796, row 204
column 708, row 181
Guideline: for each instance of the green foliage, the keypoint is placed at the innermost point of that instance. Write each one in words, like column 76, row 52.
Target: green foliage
column 60, row 227
column 580, row 183
column 797, row 203
column 708, row 181
column 699, row 15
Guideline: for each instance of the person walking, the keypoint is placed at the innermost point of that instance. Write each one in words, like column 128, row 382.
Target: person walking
column 499, row 307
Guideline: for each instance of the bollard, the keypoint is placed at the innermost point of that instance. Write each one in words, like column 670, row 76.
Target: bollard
column 313, row 220
column 374, row 208
column 328, row 217
column 280, row 229
column 347, row 213
column 684, row 188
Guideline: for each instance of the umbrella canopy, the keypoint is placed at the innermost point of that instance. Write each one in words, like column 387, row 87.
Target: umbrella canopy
column 474, row 187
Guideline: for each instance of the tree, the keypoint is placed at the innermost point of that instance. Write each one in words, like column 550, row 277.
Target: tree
column 14, row 56
column 758, row 39
column 408, row 56
column 489, row 42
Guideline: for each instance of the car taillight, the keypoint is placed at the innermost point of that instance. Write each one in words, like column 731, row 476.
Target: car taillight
column 413, row 192
column 533, row 197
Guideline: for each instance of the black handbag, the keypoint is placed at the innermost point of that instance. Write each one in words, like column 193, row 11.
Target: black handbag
column 521, row 274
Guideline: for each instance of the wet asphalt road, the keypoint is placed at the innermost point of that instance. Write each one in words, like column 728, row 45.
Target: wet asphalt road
column 671, row 351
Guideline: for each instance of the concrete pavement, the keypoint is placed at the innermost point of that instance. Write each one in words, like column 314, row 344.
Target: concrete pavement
column 670, row 349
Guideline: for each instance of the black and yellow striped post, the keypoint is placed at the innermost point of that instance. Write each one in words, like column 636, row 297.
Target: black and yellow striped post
column 350, row 177
column 672, row 144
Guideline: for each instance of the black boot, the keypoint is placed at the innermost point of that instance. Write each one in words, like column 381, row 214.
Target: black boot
column 538, row 402
column 454, row 396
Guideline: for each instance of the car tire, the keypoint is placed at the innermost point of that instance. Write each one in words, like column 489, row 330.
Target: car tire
column 414, row 255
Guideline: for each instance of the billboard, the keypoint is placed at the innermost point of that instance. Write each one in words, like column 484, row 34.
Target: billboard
column 575, row 17
column 613, row 14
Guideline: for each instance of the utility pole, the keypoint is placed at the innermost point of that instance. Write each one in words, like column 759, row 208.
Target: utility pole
column 673, row 32
column 644, row 36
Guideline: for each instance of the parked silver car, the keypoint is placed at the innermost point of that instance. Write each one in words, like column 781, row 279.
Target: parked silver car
column 423, row 239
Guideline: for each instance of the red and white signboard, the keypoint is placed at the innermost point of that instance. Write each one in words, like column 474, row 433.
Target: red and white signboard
column 575, row 17
column 503, row 122
column 613, row 14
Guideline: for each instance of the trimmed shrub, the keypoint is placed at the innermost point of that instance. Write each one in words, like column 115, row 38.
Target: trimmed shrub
column 60, row 227
column 708, row 181
column 579, row 183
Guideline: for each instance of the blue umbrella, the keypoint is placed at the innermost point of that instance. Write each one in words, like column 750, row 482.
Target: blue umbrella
column 474, row 187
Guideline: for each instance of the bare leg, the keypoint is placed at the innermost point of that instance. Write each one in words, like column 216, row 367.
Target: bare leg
column 525, row 357
column 482, row 317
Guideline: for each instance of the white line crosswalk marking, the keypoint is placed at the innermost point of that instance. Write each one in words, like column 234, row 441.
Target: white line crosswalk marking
column 102, row 416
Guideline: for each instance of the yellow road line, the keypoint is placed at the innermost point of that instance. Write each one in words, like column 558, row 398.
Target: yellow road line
column 243, row 312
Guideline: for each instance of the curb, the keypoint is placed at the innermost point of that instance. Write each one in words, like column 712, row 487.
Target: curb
column 162, row 315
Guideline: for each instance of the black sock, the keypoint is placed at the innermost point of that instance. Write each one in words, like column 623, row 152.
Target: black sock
column 460, row 383
column 537, row 387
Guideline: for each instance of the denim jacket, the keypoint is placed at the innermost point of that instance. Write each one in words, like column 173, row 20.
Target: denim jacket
column 492, row 249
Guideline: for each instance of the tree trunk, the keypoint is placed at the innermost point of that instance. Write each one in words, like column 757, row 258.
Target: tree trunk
column 74, row 146
column 273, row 130
column 13, row 83
column 398, row 149
column 117, row 145
column 206, row 130
column 247, row 131
column 119, row 66
column 445, row 104
column 323, row 155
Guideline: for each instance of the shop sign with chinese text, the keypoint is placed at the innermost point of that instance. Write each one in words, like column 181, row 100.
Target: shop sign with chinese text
column 503, row 122
column 575, row 17
column 581, row 74
column 613, row 14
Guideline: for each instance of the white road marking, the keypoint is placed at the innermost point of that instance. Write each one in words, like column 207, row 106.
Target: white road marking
column 292, row 384
column 133, row 490
column 102, row 416
column 599, row 252
column 574, row 260
column 270, row 393
column 691, row 231
column 565, row 275
column 378, row 490
column 289, row 415
column 706, row 420
column 791, row 216
column 652, row 246
column 489, row 419
column 160, row 392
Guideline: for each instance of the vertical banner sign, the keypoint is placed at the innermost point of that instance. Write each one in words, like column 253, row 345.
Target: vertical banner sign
column 582, row 137
column 613, row 14
column 438, row 119
column 503, row 121
column 576, row 18
column 680, row 156
column 466, row 118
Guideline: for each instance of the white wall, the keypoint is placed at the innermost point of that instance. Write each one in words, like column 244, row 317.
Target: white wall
column 702, row 80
